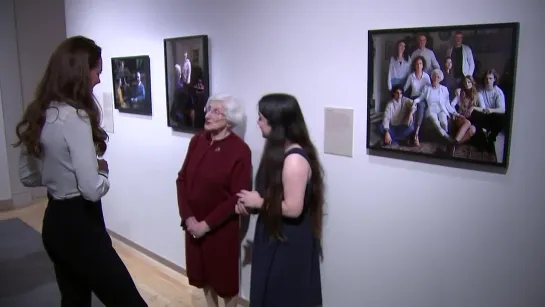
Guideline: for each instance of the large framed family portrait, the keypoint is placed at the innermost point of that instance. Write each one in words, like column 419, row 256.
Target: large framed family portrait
column 132, row 84
column 443, row 92
column 187, row 82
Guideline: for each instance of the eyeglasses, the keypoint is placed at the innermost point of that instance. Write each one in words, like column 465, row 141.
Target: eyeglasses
column 213, row 111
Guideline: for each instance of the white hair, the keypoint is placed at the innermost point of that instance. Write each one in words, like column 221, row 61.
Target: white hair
column 234, row 110
column 178, row 68
column 438, row 73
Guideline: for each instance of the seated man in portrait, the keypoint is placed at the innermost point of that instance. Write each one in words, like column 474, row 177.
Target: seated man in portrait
column 397, row 124
column 492, row 117
column 138, row 91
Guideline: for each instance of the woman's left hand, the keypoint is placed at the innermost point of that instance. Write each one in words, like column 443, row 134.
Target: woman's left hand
column 240, row 209
column 199, row 229
column 250, row 199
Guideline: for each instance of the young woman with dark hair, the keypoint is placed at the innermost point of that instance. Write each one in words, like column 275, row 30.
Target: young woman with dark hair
column 289, row 197
column 60, row 139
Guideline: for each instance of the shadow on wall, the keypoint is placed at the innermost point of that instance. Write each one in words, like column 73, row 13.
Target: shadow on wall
column 240, row 130
column 245, row 219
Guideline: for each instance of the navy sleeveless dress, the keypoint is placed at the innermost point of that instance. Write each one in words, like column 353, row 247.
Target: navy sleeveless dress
column 286, row 274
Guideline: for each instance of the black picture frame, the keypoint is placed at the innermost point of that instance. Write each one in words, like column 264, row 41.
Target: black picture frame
column 493, row 46
column 136, row 96
column 186, row 101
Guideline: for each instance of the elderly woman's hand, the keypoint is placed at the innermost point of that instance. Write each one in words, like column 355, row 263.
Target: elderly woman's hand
column 240, row 209
column 199, row 229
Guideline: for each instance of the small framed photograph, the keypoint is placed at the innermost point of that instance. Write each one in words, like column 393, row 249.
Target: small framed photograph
column 132, row 84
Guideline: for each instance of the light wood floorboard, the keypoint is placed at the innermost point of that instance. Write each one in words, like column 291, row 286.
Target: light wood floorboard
column 160, row 285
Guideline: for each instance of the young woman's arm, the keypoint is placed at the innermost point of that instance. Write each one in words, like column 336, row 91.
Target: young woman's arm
column 295, row 176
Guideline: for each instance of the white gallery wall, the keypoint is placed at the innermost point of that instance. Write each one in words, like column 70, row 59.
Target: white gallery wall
column 29, row 32
column 40, row 28
column 5, row 185
column 398, row 233
column 11, row 95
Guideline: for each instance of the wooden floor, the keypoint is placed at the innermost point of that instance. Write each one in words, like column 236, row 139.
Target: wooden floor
column 159, row 285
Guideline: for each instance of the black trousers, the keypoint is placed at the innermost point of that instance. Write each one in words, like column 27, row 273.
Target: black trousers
column 494, row 122
column 76, row 240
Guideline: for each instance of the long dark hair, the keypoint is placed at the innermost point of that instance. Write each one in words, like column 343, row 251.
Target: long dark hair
column 405, row 54
column 468, row 97
column 287, row 123
column 470, row 94
column 67, row 80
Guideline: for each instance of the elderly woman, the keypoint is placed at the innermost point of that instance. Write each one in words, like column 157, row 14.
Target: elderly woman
column 217, row 166
column 439, row 109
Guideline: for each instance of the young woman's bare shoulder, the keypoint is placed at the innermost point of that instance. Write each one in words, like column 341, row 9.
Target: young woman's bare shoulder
column 296, row 164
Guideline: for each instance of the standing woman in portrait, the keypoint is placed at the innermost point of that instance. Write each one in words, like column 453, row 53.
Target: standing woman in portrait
column 60, row 139
column 289, row 197
column 400, row 66
column 217, row 166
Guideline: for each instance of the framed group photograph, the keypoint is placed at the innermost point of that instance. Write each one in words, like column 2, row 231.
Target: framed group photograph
column 443, row 92
column 187, row 82
column 132, row 84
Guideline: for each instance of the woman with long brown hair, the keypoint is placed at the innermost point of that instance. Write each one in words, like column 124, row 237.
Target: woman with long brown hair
column 290, row 198
column 400, row 66
column 60, row 139
column 467, row 101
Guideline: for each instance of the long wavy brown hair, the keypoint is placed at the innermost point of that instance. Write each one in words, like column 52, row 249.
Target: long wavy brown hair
column 287, row 123
column 66, row 80
column 468, row 97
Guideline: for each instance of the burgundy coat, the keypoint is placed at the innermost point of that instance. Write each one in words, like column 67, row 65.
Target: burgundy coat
column 211, row 176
